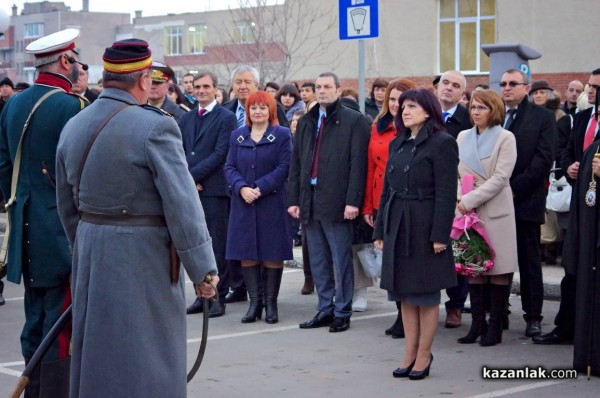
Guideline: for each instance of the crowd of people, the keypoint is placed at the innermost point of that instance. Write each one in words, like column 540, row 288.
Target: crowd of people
column 267, row 168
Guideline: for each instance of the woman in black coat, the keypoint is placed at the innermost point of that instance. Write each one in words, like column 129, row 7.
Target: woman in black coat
column 414, row 222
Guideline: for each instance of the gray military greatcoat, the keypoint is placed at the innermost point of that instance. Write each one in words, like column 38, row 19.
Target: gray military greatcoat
column 129, row 328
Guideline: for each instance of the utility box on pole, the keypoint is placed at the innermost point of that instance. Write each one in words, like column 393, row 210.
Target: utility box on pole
column 508, row 56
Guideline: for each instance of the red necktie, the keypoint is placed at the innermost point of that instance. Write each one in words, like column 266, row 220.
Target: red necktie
column 315, row 162
column 201, row 112
column 590, row 133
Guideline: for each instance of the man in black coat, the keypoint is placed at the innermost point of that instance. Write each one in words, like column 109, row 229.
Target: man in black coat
column 325, row 190
column 450, row 90
column 205, row 132
column 570, row 158
column 534, row 128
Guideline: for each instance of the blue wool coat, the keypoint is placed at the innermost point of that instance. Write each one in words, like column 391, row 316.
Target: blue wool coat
column 259, row 231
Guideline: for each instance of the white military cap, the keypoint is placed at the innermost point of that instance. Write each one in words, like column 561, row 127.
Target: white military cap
column 54, row 43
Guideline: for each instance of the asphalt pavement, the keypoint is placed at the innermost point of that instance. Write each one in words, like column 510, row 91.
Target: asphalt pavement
column 281, row 360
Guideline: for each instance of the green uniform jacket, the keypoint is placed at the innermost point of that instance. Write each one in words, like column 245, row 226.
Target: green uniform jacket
column 38, row 247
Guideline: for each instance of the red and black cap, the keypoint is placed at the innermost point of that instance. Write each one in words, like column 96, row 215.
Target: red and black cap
column 127, row 56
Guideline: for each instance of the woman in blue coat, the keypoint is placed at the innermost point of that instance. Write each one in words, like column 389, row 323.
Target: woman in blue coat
column 257, row 168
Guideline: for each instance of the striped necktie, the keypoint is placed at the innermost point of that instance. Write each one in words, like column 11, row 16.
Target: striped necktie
column 241, row 116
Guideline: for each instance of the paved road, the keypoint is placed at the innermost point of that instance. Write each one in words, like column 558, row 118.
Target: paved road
column 261, row 360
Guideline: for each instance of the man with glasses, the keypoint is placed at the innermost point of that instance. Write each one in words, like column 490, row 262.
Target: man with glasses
column 534, row 128
column 583, row 134
column 38, row 250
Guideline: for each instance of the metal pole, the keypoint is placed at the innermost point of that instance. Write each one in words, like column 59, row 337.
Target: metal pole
column 361, row 75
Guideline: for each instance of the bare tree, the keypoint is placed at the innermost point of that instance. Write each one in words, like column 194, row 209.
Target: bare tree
column 280, row 37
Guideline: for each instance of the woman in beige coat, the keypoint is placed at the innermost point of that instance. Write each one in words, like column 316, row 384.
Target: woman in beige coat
column 488, row 152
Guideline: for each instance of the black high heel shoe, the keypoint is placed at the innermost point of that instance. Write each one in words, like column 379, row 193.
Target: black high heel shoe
column 403, row 372
column 420, row 374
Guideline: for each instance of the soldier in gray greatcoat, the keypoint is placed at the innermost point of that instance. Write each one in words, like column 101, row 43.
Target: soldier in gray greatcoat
column 122, row 208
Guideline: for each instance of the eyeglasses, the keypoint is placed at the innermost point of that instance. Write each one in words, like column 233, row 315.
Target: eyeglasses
column 479, row 108
column 512, row 84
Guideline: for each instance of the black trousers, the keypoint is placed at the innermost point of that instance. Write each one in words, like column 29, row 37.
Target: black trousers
column 216, row 212
column 458, row 294
column 530, row 269
column 565, row 317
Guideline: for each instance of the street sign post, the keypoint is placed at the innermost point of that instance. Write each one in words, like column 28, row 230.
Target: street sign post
column 358, row 19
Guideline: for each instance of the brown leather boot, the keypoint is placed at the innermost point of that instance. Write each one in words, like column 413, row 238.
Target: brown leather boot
column 309, row 286
column 453, row 317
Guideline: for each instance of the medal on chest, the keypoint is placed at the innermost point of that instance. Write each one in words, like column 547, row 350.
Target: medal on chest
column 590, row 195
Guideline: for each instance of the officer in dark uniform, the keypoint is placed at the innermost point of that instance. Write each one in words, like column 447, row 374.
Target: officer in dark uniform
column 38, row 249
column 161, row 74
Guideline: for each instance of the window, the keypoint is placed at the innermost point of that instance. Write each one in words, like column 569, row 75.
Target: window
column 244, row 32
column 33, row 30
column 464, row 26
column 196, row 38
column 173, row 36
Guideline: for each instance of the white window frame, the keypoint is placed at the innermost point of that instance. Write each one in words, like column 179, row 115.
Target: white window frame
column 33, row 30
column 457, row 22
column 174, row 36
column 199, row 32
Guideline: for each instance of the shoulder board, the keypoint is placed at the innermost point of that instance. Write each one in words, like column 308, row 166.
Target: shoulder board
column 83, row 102
column 185, row 108
column 157, row 110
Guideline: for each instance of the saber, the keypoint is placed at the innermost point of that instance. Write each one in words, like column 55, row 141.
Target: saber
column 60, row 324
column 65, row 318
column 203, row 341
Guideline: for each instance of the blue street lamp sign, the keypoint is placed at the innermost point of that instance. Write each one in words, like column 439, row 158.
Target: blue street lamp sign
column 358, row 19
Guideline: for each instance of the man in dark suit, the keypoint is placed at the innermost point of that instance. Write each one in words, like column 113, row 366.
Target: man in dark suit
column 534, row 128
column 450, row 90
column 326, row 189
column 584, row 132
column 205, row 132
column 244, row 81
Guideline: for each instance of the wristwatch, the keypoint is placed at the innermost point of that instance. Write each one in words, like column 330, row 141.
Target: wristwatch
column 208, row 278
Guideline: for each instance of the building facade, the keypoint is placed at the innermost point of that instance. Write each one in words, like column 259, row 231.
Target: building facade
column 298, row 39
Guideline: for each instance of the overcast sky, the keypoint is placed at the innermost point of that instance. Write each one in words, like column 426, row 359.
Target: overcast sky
column 148, row 7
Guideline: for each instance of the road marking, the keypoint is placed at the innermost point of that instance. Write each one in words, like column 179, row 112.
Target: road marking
column 515, row 390
column 4, row 366
column 11, row 372
column 282, row 328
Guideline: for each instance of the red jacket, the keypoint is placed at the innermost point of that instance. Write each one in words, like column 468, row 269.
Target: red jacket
column 377, row 159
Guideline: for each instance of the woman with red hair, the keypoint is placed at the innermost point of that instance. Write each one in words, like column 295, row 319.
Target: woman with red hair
column 257, row 168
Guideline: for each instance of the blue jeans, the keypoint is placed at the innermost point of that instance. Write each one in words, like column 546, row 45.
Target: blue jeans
column 330, row 251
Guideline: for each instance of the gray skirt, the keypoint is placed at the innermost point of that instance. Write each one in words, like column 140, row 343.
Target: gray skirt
column 424, row 300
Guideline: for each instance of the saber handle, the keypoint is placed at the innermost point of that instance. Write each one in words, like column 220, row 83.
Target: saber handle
column 41, row 351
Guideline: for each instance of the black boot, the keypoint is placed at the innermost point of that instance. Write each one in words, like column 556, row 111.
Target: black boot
column 478, row 323
column 253, row 280
column 272, row 284
column 498, row 295
column 397, row 329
